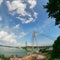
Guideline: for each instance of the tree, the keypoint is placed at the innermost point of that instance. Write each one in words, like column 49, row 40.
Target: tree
column 56, row 48
column 53, row 9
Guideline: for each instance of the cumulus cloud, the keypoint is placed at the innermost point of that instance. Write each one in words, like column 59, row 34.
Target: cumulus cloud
column 32, row 3
column 1, row 2
column 7, row 38
column 17, row 7
column 35, row 14
column 25, row 20
column 16, row 27
column 22, row 34
column 17, row 4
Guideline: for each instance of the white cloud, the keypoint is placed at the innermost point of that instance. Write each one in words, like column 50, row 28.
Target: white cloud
column 1, row 2
column 25, row 20
column 35, row 14
column 32, row 3
column 22, row 34
column 16, row 26
column 19, row 8
column 0, row 18
column 7, row 38
column 17, row 4
column 28, row 21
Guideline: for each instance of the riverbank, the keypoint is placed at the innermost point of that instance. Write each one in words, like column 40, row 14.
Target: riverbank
column 34, row 57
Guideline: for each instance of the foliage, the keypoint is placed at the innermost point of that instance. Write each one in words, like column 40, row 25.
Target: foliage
column 51, row 58
column 4, row 58
column 42, row 50
column 56, row 48
column 53, row 9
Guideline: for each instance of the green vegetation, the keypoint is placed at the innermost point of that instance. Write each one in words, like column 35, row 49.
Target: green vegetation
column 56, row 48
column 53, row 9
column 51, row 58
column 55, row 54
column 4, row 58
column 43, row 50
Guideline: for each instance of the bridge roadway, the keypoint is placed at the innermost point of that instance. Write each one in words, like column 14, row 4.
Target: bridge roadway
column 35, row 47
column 28, row 47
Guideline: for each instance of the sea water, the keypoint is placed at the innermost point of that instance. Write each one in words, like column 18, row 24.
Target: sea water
column 13, row 51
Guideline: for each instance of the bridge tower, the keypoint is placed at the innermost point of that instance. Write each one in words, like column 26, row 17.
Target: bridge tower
column 26, row 45
column 34, row 40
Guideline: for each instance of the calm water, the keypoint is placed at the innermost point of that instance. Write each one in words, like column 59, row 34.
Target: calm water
column 12, row 51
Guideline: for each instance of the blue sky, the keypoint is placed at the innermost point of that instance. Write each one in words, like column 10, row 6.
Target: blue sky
column 19, row 18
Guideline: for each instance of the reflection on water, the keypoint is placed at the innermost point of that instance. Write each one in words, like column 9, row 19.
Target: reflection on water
column 12, row 51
